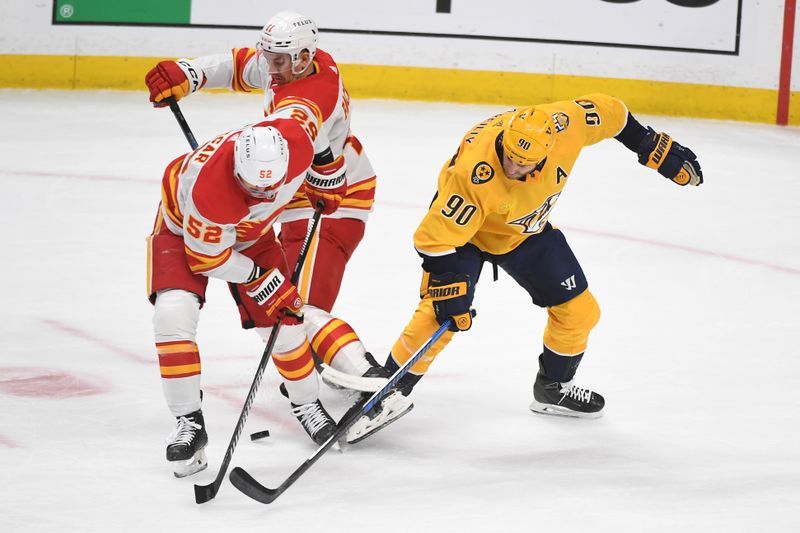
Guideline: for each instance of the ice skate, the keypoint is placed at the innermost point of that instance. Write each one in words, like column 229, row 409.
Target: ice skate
column 186, row 445
column 315, row 420
column 392, row 407
column 565, row 399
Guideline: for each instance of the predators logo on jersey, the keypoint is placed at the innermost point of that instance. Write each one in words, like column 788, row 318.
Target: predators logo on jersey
column 535, row 221
column 482, row 173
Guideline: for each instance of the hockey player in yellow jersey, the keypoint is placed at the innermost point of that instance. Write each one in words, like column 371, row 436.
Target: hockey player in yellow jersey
column 492, row 204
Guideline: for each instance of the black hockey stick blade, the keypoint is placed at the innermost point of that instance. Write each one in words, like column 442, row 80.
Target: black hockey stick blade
column 249, row 486
column 205, row 493
column 252, row 488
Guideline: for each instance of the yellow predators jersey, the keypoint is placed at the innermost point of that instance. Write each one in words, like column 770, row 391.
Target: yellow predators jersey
column 477, row 203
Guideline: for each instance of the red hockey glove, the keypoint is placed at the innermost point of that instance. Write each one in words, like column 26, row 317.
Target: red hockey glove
column 172, row 78
column 326, row 183
column 274, row 293
column 451, row 298
column 670, row 159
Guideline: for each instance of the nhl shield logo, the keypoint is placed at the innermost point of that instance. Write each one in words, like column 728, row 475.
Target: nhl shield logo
column 482, row 173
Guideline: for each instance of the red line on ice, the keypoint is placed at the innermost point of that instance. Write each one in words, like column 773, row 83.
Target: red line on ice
column 689, row 249
column 8, row 443
column 72, row 330
column 88, row 177
column 91, row 338
column 400, row 205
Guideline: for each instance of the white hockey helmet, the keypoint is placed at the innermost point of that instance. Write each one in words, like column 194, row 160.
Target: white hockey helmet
column 260, row 160
column 290, row 33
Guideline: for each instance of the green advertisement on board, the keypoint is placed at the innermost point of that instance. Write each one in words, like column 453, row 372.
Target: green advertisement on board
column 123, row 11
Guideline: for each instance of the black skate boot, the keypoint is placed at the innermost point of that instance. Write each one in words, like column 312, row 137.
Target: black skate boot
column 375, row 369
column 186, row 445
column 565, row 399
column 315, row 420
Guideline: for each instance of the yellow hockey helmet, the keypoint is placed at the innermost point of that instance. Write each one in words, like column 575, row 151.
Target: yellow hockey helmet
column 529, row 136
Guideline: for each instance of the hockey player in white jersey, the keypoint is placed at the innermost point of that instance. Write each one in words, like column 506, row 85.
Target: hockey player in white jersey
column 218, row 205
column 287, row 65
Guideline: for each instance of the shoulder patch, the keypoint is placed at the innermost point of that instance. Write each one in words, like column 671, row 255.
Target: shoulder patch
column 561, row 120
column 482, row 173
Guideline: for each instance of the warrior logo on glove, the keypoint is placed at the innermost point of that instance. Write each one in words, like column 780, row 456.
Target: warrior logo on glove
column 326, row 185
column 450, row 295
column 272, row 291
column 670, row 159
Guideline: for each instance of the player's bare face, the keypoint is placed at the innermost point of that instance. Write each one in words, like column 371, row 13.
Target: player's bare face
column 515, row 171
column 280, row 68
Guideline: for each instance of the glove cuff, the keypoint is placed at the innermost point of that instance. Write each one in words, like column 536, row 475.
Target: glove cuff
column 256, row 273
column 193, row 73
column 327, row 176
column 654, row 149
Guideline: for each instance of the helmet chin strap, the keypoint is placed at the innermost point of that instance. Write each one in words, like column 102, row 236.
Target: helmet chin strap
column 296, row 72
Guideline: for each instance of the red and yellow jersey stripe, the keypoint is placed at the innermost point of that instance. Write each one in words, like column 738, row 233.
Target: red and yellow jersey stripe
column 241, row 57
column 359, row 195
column 201, row 263
column 295, row 364
column 290, row 101
column 331, row 338
column 169, row 192
column 178, row 359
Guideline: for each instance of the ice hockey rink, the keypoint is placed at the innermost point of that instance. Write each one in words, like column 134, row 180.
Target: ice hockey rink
column 696, row 352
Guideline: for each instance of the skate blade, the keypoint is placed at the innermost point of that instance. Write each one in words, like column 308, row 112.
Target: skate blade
column 197, row 463
column 557, row 410
column 351, row 438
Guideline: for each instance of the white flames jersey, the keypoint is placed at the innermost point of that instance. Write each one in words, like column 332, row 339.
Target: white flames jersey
column 203, row 201
column 244, row 70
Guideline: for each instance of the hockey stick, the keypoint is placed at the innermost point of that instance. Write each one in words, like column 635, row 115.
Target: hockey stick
column 249, row 486
column 345, row 380
column 204, row 493
column 176, row 110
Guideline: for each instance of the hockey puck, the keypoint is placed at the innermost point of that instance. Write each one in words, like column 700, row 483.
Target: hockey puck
column 259, row 434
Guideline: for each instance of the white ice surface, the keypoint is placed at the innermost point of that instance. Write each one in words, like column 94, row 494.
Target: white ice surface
column 696, row 352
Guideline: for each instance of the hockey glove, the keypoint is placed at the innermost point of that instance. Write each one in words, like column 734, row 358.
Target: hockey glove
column 172, row 78
column 451, row 299
column 326, row 183
column 670, row 159
column 274, row 293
